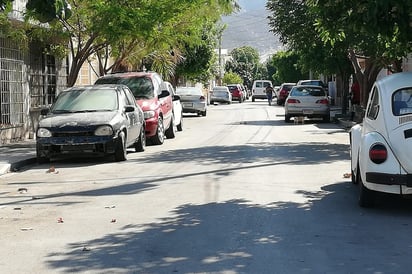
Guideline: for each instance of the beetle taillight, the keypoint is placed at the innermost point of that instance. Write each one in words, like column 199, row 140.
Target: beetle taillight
column 378, row 153
column 293, row 101
column 202, row 98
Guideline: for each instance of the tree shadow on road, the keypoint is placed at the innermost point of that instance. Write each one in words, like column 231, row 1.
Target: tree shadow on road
column 328, row 233
column 297, row 153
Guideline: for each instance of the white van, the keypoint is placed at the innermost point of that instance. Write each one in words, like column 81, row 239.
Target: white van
column 259, row 89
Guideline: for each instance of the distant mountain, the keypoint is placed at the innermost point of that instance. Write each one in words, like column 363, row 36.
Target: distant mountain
column 249, row 27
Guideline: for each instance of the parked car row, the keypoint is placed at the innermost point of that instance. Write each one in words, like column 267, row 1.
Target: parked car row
column 119, row 111
column 227, row 94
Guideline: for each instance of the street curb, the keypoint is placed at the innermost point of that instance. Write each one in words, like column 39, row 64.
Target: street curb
column 20, row 164
column 16, row 166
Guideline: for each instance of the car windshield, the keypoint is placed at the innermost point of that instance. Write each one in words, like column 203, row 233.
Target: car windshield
column 188, row 91
column 307, row 91
column 402, row 102
column 142, row 87
column 86, row 100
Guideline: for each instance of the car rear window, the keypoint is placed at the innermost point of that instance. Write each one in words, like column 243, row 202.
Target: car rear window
column 287, row 87
column 402, row 102
column 258, row 84
column 141, row 87
column 307, row 91
column 188, row 91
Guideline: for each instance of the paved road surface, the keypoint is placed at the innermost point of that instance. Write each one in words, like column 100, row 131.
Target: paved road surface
column 238, row 191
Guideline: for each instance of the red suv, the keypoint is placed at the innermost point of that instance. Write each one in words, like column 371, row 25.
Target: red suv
column 283, row 92
column 237, row 92
column 155, row 101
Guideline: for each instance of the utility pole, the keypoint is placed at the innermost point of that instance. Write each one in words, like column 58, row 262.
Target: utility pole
column 220, row 60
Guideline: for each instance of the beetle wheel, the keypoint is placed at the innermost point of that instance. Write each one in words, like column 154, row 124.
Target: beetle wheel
column 366, row 196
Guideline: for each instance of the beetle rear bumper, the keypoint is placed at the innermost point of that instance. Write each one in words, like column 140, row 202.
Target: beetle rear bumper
column 389, row 179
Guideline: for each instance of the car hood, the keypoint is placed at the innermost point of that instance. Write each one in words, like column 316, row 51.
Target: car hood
column 148, row 104
column 80, row 119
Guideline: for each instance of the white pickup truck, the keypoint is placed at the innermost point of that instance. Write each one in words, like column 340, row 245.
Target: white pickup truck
column 381, row 147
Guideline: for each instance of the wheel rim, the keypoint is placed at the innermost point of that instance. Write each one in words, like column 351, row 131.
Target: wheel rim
column 160, row 130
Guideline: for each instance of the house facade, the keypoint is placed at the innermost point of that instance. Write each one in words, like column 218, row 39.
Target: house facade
column 29, row 81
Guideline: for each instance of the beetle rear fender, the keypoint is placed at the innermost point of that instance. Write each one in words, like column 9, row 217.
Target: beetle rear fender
column 355, row 139
column 390, row 165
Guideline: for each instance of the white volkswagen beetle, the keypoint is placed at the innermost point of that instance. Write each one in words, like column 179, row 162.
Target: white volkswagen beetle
column 381, row 147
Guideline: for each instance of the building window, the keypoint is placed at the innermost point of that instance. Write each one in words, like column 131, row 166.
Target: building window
column 11, row 86
column 43, row 80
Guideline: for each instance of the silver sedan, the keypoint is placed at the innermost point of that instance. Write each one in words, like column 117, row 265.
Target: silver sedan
column 221, row 94
column 307, row 101
column 193, row 100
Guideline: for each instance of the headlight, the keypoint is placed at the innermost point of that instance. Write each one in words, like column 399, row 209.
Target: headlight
column 104, row 131
column 149, row 114
column 43, row 133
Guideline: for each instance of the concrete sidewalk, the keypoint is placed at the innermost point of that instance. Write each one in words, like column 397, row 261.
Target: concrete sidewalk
column 14, row 156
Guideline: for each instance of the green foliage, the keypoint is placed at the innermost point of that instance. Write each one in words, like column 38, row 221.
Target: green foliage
column 245, row 62
column 232, row 78
column 48, row 10
column 287, row 68
column 157, row 33
column 296, row 30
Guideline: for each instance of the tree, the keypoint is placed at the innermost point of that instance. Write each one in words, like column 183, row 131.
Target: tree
column 128, row 31
column 286, row 64
column 245, row 62
column 232, row 78
column 376, row 31
column 293, row 21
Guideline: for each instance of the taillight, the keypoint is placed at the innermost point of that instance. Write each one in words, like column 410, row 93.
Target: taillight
column 323, row 101
column 293, row 101
column 202, row 98
column 378, row 153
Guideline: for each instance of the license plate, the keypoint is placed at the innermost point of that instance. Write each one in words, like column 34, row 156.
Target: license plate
column 187, row 104
column 307, row 111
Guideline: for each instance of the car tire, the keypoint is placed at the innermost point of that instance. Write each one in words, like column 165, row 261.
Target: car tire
column 170, row 132
column 366, row 196
column 120, row 153
column 41, row 159
column 140, row 145
column 326, row 118
column 287, row 118
column 203, row 113
column 159, row 137
column 240, row 100
column 253, row 99
column 180, row 125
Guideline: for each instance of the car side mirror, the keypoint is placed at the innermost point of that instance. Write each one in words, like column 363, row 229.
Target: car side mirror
column 129, row 109
column 164, row 93
column 44, row 111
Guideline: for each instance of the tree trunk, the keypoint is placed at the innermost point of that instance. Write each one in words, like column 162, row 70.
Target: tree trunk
column 366, row 74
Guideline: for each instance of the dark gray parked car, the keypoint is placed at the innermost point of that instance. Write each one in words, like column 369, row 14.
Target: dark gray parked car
column 100, row 120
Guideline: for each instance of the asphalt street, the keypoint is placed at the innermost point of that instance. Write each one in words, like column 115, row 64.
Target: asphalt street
column 237, row 191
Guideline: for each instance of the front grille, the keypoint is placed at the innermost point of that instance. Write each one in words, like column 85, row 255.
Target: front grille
column 73, row 134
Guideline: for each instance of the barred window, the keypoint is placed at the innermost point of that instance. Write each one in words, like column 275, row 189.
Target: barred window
column 43, row 80
column 11, row 93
